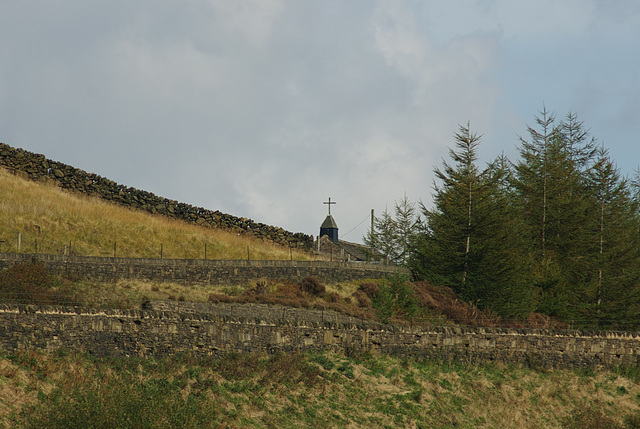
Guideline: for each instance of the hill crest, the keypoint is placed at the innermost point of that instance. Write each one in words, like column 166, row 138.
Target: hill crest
column 37, row 167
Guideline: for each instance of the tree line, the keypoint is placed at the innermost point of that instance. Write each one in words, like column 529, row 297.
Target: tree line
column 557, row 231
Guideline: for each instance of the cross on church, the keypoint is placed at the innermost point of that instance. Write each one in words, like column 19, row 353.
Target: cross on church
column 329, row 203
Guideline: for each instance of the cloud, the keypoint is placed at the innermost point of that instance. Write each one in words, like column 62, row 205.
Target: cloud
column 265, row 108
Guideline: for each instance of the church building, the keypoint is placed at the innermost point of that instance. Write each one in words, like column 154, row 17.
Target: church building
column 328, row 243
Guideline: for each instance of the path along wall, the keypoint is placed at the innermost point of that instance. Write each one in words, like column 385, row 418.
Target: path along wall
column 202, row 271
column 36, row 167
column 166, row 333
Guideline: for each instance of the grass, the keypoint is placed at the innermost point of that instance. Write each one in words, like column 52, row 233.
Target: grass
column 297, row 391
column 70, row 390
column 51, row 220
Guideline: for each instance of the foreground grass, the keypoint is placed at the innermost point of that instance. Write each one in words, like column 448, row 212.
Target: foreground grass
column 313, row 390
column 51, row 220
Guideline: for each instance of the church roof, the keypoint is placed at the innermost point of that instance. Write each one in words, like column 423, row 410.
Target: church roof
column 329, row 222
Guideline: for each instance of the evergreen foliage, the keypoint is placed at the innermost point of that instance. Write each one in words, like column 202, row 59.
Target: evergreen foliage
column 611, row 298
column 395, row 297
column 467, row 239
column 556, row 232
column 392, row 236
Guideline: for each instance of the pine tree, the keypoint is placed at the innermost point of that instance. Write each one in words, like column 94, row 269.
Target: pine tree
column 406, row 226
column 466, row 240
column 615, row 277
column 447, row 242
column 550, row 185
column 392, row 237
column 384, row 238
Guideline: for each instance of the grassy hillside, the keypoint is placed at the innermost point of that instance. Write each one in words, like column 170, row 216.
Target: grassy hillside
column 40, row 390
column 69, row 390
column 50, row 220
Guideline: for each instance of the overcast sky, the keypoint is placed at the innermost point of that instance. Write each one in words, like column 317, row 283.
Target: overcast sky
column 266, row 108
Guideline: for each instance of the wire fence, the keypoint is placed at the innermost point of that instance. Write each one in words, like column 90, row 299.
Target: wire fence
column 38, row 243
column 35, row 243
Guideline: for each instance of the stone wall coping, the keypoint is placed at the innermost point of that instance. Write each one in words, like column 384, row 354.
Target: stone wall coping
column 78, row 259
column 275, row 321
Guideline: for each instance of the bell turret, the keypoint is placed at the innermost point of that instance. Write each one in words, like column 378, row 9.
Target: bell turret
column 329, row 227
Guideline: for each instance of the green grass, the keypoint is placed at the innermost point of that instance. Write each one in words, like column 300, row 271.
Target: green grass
column 68, row 390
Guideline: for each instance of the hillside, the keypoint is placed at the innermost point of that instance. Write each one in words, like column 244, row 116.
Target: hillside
column 305, row 391
column 67, row 389
column 41, row 217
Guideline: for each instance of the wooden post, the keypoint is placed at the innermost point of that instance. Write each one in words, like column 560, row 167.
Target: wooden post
column 248, row 255
column 114, row 248
column 19, row 240
column 205, row 251
column 161, row 249
column 372, row 233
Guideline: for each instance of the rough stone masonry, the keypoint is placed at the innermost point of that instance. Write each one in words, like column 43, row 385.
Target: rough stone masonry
column 271, row 328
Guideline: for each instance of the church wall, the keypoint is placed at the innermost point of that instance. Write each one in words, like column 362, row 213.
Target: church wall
column 202, row 272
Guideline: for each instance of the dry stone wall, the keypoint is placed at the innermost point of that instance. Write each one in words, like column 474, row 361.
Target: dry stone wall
column 271, row 329
column 201, row 271
column 37, row 167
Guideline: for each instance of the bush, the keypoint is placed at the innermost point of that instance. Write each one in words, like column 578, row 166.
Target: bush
column 261, row 288
column 395, row 298
column 362, row 298
column 32, row 283
column 369, row 289
column 311, row 285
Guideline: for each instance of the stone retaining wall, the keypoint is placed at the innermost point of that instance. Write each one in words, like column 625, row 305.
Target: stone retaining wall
column 36, row 167
column 200, row 271
column 166, row 333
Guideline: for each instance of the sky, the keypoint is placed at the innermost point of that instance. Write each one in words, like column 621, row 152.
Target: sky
column 266, row 108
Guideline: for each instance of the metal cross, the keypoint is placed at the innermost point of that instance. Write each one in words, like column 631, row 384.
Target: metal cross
column 329, row 203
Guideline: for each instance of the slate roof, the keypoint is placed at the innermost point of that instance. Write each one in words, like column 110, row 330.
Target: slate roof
column 329, row 222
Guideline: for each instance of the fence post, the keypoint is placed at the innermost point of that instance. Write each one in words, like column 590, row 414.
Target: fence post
column 19, row 240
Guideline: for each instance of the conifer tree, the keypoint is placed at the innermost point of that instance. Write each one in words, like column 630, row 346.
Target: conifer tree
column 614, row 276
column 406, row 226
column 392, row 237
column 550, row 184
column 383, row 239
column 466, row 239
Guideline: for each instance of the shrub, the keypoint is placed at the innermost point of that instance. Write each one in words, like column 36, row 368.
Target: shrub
column 261, row 288
column 362, row 298
column 312, row 286
column 395, row 298
column 32, row 283
column 370, row 289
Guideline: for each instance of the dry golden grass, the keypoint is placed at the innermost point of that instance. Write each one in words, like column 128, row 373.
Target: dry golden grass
column 55, row 221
